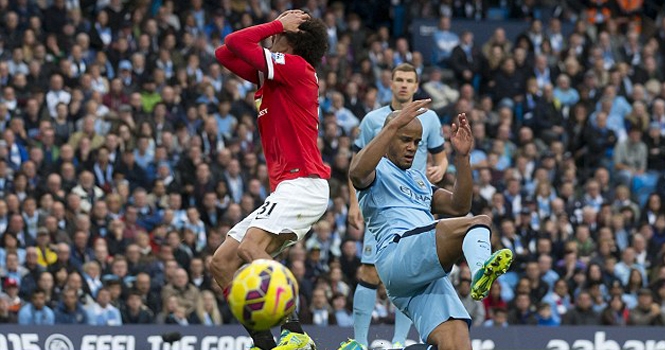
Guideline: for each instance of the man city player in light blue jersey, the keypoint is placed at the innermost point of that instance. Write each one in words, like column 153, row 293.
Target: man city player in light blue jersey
column 414, row 251
column 404, row 85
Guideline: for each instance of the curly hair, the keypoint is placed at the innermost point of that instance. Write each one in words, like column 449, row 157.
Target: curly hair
column 311, row 42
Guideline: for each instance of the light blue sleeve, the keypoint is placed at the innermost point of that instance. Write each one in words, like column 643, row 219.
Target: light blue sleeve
column 435, row 138
column 25, row 315
column 50, row 316
column 92, row 317
column 86, row 317
column 117, row 316
column 366, row 134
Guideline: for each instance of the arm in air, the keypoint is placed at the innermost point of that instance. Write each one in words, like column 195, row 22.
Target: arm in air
column 458, row 202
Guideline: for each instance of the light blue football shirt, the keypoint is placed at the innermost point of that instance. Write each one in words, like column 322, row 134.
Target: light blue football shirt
column 397, row 201
column 432, row 139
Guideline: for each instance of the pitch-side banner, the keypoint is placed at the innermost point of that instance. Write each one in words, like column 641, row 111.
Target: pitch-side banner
column 158, row 337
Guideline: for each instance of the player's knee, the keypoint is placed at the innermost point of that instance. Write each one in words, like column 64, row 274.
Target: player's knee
column 219, row 266
column 450, row 335
column 482, row 220
column 368, row 274
column 442, row 343
column 246, row 251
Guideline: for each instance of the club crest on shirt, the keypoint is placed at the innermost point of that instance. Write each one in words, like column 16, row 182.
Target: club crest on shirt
column 278, row 57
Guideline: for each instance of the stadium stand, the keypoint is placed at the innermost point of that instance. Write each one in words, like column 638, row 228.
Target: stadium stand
column 128, row 152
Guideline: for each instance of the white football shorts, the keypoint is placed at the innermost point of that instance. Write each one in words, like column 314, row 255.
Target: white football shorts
column 294, row 206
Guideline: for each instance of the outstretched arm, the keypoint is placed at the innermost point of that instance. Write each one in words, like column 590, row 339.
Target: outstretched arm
column 458, row 202
column 362, row 170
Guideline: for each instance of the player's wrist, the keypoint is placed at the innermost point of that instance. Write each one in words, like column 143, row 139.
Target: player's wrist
column 392, row 126
column 462, row 157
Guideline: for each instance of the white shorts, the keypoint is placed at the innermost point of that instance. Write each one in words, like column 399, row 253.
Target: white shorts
column 294, row 207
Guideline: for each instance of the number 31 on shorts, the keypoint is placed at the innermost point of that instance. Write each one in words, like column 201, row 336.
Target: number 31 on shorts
column 267, row 206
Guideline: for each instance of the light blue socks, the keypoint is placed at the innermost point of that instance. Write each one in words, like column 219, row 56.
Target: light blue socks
column 363, row 303
column 402, row 326
column 477, row 247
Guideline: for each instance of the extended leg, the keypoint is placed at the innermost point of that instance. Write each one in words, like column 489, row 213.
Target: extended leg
column 223, row 266
column 260, row 244
column 450, row 237
column 471, row 237
column 364, row 299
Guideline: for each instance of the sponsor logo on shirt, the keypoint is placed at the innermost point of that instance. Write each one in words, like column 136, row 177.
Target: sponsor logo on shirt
column 415, row 196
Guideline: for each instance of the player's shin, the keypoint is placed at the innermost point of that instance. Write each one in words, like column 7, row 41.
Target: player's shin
column 477, row 247
column 402, row 326
column 262, row 339
column 364, row 299
column 292, row 322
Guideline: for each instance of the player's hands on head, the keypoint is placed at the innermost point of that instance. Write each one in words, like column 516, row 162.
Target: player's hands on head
column 287, row 12
column 461, row 136
column 292, row 19
column 409, row 112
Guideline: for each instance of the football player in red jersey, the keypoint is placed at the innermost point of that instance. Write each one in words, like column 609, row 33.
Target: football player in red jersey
column 288, row 121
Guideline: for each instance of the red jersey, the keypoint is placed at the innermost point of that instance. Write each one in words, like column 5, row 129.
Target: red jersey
column 287, row 103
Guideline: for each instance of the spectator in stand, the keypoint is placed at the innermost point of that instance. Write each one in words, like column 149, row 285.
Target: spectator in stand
column 11, row 295
column 6, row 317
column 475, row 308
column 444, row 42
column 36, row 312
column 207, row 312
column 616, row 313
column 630, row 157
column 102, row 313
column 465, row 59
column 582, row 313
column 70, row 310
column 522, row 312
column 646, row 313
column 322, row 313
column 499, row 319
column 185, row 292
column 135, row 312
column 544, row 316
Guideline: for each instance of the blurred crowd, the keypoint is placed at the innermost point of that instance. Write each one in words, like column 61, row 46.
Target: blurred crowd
column 127, row 153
